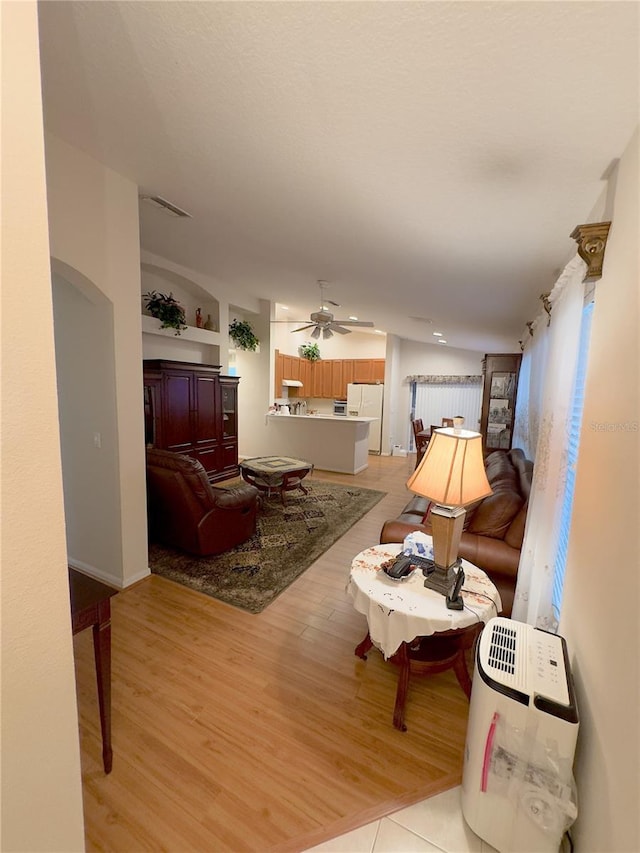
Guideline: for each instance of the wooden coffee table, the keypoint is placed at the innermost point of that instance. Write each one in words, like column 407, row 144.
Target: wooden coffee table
column 275, row 474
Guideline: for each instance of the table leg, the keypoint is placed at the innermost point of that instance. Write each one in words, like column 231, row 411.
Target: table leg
column 402, row 658
column 363, row 647
column 462, row 673
column 102, row 652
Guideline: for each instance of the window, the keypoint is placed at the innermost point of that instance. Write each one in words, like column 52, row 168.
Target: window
column 572, row 460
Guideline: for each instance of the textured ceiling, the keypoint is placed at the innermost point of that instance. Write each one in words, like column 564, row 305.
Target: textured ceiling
column 427, row 159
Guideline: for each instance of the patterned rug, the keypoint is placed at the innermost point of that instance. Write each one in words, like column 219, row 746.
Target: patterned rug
column 287, row 541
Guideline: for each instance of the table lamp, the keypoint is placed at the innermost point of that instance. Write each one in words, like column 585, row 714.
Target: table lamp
column 450, row 475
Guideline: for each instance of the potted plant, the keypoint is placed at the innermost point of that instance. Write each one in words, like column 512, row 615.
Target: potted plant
column 242, row 334
column 310, row 351
column 165, row 308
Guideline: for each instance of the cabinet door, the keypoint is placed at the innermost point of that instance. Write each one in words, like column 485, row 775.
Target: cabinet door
column 347, row 375
column 177, row 406
column 363, row 370
column 327, row 376
column 316, row 379
column 152, row 411
column 205, row 415
column 228, row 455
column 291, row 367
column 305, row 378
column 337, row 384
column 378, row 370
column 277, row 391
column 206, row 422
column 229, row 408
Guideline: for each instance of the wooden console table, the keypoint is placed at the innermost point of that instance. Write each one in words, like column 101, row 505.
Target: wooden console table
column 91, row 608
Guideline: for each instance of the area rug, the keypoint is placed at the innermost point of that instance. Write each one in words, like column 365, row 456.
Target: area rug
column 287, row 541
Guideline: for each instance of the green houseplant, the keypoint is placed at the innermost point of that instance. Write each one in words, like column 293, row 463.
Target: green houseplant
column 310, row 351
column 242, row 334
column 165, row 308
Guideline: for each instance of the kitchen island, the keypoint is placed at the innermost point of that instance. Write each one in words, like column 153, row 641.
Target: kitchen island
column 330, row 442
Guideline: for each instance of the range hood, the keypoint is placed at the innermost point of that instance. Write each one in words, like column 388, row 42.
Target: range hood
column 292, row 383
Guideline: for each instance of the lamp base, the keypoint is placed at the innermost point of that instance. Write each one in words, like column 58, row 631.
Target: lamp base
column 441, row 579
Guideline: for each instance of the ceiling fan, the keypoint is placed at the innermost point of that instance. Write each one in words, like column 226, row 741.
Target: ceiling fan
column 323, row 323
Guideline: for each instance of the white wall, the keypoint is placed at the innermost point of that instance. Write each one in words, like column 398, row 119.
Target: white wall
column 354, row 345
column 600, row 607
column 41, row 788
column 255, row 370
column 85, row 370
column 93, row 227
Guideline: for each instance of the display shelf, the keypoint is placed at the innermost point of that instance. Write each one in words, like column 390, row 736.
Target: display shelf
column 151, row 326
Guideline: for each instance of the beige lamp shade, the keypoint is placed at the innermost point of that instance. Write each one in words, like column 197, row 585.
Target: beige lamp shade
column 452, row 470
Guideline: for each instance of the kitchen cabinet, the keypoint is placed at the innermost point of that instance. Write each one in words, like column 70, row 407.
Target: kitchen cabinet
column 327, row 378
column 191, row 409
column 368, row 370
column 501, row 372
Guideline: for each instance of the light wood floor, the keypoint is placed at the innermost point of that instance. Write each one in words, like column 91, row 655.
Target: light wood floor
column 236, row 732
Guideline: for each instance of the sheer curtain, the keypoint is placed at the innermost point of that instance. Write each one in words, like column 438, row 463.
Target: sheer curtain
column 550, row 360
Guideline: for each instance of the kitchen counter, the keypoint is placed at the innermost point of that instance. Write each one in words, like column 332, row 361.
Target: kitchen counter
column 328, row 417
column 331, row 442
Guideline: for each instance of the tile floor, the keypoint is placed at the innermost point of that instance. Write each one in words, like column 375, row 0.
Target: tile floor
column 435, row 824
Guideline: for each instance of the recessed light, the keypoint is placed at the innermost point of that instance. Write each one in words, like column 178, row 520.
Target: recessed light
column 442, row 341
column 285, row 307
column 353, row 318
column 378, row 331
column 437, row 334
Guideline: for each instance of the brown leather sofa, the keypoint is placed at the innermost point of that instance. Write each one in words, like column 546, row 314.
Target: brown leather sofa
column 494, row 527
column 187, row 512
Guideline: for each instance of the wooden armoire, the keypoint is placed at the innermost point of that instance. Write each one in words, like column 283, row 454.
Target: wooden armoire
column 192, row 409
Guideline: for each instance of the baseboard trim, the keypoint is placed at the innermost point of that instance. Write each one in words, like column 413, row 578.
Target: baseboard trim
column 105, row 577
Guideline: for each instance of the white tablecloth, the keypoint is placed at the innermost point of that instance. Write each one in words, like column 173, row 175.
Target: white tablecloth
column 400, row 611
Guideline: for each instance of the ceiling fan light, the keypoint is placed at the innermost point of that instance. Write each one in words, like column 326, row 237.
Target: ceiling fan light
column 327, row 333
column 316, row 332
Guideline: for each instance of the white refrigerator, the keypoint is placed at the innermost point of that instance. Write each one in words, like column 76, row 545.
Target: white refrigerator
column 365, row 401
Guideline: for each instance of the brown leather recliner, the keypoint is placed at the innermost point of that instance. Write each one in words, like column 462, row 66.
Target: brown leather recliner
column 187, row 512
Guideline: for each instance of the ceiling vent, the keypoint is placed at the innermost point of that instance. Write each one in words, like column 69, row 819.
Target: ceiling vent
column 166, row 206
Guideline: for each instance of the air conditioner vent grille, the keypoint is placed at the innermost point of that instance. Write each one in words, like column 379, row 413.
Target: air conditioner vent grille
column 164, row 205
column 502, row 649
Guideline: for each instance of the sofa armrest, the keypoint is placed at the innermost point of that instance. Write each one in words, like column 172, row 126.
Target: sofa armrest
column 395, row 530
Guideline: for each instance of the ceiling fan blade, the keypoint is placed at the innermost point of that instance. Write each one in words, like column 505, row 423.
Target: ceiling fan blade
column 336, row 328
column 363, row 323
column 302, row 328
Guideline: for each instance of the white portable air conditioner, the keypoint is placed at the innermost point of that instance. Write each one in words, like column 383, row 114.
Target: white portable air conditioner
column 517, row 787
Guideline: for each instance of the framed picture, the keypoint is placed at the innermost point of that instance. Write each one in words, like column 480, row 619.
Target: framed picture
column 500, row 411
column 503, row 385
